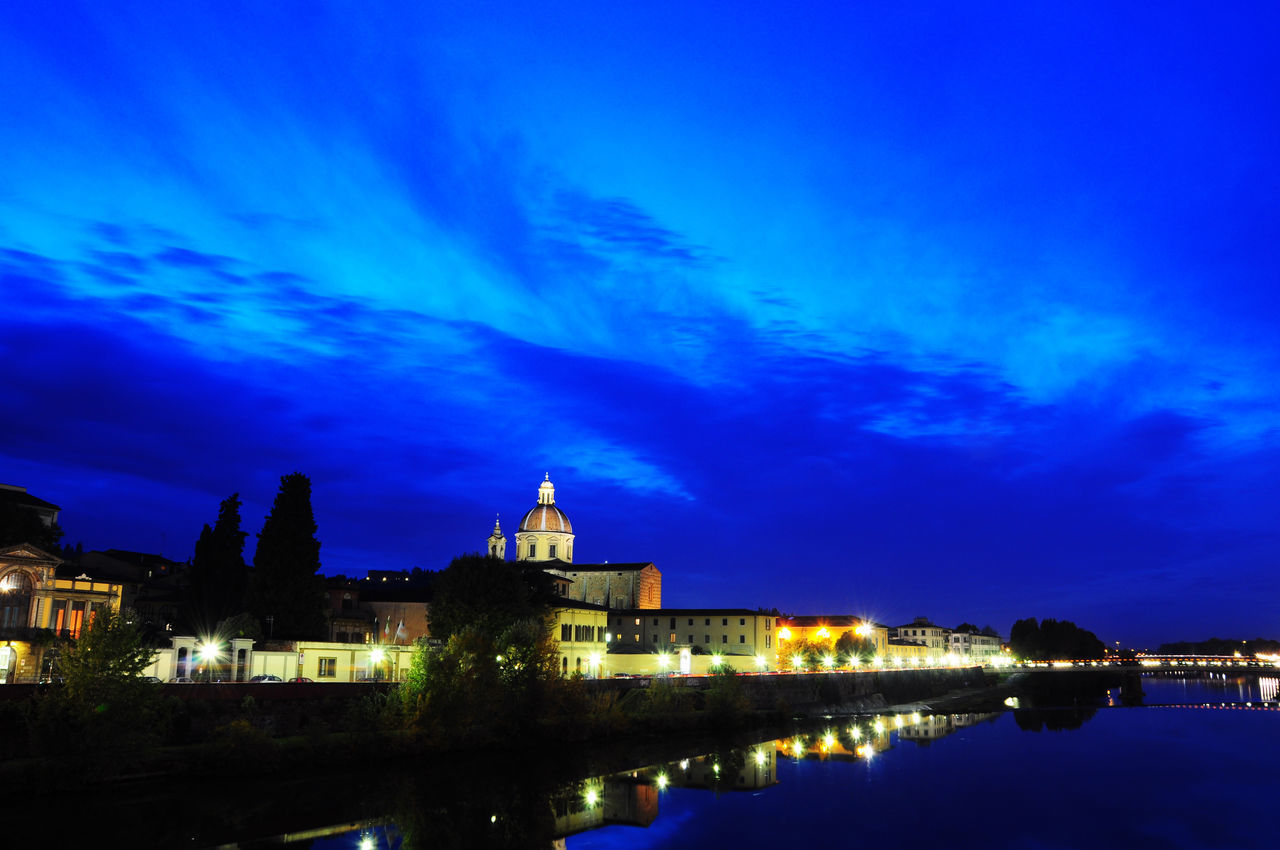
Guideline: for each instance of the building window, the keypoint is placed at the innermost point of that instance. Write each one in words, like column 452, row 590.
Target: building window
column 328, row 668
column 708, row 621
column 566, row 631
column 671, row 638
column 533, row 549
column 655, row 621
column 690, row 638
column 637, row 637
column 724, row 638
column 653, row 638
column 673, row 622
column 724, row 621
column 706, row 638
column 637, row 621
column 742, row 621
column 768, row 621
column 742, row 638
column 551, row 550
column 768, row 641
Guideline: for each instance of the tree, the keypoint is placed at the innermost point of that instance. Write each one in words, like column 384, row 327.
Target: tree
column 1052, row 640
column 110, row 651
column 105, row 717
column 967, row 628
column 850, row 645
column 19, row 524
column 286, row 593
column 486, row 594
column 218, row 576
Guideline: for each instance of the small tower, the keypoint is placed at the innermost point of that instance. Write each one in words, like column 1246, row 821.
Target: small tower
column 497, row 542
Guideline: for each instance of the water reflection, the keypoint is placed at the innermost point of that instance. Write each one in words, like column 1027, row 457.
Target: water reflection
column 526, row 815
column 513, row 799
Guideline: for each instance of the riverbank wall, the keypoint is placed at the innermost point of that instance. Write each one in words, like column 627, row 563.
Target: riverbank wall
column 845, row 692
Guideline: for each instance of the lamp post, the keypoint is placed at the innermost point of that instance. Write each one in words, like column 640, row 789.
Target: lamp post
column 208, row 656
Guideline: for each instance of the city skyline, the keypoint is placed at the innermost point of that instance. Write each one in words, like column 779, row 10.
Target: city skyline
column 962, row 313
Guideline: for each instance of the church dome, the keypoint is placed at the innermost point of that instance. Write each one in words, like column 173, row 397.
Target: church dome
column 545, row 516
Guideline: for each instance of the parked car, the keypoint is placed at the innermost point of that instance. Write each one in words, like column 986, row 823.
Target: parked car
column 266, row 678
column 301, row 679
column 180, row 680
column 152, row 680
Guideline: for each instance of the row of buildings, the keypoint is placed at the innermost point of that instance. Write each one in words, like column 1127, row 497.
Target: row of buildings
column 609, row 617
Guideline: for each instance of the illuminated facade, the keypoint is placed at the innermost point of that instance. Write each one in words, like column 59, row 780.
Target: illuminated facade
column 36, row 601
column 580, row 630
column 829, row 629
column 924, row 633
column 706, row 631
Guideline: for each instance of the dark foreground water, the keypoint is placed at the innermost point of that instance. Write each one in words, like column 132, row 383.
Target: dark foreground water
column 1196, row 766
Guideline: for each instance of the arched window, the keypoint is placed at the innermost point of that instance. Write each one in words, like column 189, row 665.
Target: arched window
column 15, row 600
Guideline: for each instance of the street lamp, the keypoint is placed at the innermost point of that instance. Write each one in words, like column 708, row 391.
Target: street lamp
column 208, row 655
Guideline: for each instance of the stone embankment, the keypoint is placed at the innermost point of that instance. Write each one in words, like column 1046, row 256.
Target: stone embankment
column 802, row 694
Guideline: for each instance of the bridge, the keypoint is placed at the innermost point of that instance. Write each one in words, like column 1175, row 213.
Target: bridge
column 1190, row 664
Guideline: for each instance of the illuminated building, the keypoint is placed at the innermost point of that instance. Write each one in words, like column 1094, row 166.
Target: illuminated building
column 738, row 634
column 545, row 536
column 40, row 593
column 828, row 629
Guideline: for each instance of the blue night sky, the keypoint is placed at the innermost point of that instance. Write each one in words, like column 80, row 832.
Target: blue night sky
column 966, row 310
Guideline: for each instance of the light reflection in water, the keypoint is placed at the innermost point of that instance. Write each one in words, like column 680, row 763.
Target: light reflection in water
column 635, row 797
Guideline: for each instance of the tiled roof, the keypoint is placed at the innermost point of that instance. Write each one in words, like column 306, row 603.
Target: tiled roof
column 604, row 568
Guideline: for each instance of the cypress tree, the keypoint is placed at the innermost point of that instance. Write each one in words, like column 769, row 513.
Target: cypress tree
column 287, row 593
column 218, row 576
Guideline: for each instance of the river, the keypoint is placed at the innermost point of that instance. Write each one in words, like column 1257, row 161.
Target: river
column 1195, row 766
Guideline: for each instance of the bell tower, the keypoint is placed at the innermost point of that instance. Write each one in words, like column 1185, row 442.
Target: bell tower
column 497, row 542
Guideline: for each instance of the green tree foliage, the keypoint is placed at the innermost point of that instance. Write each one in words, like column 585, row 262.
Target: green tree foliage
column 1052, row 639
column 19, row 524
column 218, row 578
column 726, row 701
column 105, row 715
column 967, row 628
column 488, row 595
column 850, row 645
column 286, row 594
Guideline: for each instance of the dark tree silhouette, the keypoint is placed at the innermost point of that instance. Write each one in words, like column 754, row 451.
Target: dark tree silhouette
column 286, row 594
column 486, row 594
column 1053, row 639
column 218, row 576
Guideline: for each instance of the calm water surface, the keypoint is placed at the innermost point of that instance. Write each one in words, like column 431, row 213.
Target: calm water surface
column 1158, row 776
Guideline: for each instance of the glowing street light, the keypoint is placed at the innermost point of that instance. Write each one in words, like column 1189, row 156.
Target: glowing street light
column 797, row 661
column 208, row 655
column 760, row 662
column 828, row 661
